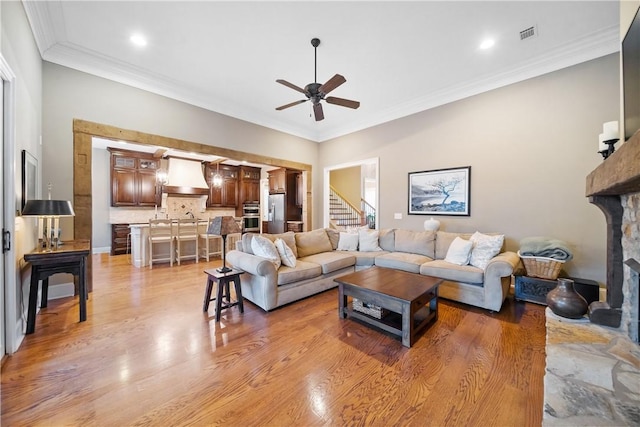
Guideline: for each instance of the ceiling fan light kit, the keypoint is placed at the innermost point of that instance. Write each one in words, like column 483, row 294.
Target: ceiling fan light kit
column 316, row 92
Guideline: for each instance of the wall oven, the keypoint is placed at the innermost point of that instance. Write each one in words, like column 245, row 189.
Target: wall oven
column 251, row 217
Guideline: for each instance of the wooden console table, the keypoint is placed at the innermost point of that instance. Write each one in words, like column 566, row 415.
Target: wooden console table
column 70, row 257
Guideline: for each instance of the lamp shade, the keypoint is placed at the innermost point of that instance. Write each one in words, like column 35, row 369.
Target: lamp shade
column 223, row 225
column 48, row 208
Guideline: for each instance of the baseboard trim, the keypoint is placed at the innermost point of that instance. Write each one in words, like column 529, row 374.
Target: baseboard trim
column 61, row 290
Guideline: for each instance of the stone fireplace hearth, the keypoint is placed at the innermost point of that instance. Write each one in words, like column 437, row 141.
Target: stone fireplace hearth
column 593, row 365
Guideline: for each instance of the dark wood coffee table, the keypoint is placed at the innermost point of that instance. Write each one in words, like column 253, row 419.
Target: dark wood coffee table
column 410, row 298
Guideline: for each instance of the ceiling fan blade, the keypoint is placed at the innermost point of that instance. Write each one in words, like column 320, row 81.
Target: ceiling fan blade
column 342, row 102
column 317, row 111
column 331, row 84
column 282, row 107
column 291, row 85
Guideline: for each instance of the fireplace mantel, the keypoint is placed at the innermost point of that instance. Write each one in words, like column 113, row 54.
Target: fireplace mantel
column 620, row 173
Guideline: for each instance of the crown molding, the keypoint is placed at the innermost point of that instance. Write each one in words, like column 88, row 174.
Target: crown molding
column 594, row 46
column 41, row 22
column 41, row 16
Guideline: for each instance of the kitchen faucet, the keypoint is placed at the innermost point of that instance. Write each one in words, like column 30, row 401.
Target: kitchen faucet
column 190, row 215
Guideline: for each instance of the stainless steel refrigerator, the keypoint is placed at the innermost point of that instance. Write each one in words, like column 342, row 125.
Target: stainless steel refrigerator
column 277, row 206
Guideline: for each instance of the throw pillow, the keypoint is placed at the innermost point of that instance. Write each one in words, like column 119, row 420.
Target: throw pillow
column 264, row 248
column 368, row 241
column 286, row 254
column 334, row 237
column 348, row 242
column 459, row 251
column 485, row 247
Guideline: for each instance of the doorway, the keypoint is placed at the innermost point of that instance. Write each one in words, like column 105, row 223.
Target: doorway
column 368, row 182
column 9, row 340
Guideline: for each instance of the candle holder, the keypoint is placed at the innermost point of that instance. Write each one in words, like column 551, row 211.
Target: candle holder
column 609, row 151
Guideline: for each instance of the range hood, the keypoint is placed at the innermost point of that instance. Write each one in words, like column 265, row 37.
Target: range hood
column 185, row 178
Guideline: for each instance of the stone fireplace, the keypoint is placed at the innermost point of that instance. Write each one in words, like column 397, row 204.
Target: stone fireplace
column 614, row 187
column 593, row 366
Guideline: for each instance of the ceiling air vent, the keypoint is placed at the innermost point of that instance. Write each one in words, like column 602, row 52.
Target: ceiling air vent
column 528, row 33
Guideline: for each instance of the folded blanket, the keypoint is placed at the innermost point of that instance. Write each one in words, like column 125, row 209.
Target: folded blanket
column 545, row 247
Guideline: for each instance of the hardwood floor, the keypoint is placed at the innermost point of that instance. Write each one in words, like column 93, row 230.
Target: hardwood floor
column 148, row 355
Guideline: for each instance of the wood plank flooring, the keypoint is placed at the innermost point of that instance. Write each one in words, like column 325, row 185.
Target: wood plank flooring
column 148, row 356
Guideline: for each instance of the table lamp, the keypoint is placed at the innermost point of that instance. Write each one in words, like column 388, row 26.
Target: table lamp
column 49, row 210
column 221, row 226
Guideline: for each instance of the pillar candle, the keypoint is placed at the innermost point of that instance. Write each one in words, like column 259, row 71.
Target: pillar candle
column 610, row 130
column 601, row 145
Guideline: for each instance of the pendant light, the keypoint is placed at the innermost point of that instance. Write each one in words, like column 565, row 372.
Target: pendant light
column 217, row 179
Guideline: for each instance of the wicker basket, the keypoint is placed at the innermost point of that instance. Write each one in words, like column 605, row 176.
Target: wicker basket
column 370, row 309
column 544, row 268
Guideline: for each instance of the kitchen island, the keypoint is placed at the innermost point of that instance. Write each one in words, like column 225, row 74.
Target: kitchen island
column 140, row 243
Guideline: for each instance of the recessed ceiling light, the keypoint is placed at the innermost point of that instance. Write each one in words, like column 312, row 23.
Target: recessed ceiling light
column 138, row 40
column 487, row 43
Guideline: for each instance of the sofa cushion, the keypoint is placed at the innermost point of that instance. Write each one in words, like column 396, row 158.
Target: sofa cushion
column 459, row 251
column 312, row 242
column 443, row 241
column 331, row 261
column 285, row 252
column 265, row 248
column 386, row 239
column 366, row 258
column 348, row 242
column 485, row 247
column 368, row 240
column 334, row 236
column 302, row 271
column 415, row 242
column 246, row 242
column 402, row 261
column 456, row 273
column 289, row 239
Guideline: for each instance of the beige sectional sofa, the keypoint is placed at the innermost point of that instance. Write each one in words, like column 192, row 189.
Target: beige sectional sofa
column 318, row 262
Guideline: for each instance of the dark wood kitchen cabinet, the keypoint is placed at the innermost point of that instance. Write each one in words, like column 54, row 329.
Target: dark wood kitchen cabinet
column 227, row 194
column 278, row 181
column 133, row 179
column 249, row 187
column 120, row 239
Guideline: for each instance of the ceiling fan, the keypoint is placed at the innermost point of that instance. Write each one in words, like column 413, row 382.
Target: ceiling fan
column 316, row 92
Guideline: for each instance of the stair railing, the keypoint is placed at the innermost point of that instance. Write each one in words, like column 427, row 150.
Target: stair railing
column 342, row 212
column 368, row 213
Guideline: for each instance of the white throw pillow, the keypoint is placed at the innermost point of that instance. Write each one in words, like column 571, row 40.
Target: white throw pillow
column 485, row 247
column 348, row 242
column 286, row 254
column 368, row 240
column 459, row 251
column 264, row 248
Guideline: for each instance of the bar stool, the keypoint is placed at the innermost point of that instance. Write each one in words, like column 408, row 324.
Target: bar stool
column 160, row 233
column 223, row 292
column 210, row 244
column 186, row 231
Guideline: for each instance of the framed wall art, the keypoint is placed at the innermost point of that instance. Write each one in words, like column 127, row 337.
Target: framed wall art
column 440, row 192
column 29, row 178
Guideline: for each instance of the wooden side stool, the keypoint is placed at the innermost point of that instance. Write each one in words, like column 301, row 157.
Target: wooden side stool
column 223, row 292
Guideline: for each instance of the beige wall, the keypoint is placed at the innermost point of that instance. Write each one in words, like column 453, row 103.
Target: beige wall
column 20, row 51
column 348, row 183
column 69, row 94
column 530, row 146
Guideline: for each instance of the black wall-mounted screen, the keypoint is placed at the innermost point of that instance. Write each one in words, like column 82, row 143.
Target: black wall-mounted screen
column 631, row 78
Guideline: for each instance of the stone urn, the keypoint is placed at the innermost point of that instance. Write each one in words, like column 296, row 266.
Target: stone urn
column 564, row 301
column 431, row 224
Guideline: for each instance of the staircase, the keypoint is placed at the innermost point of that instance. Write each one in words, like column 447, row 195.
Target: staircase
column 342, row 213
